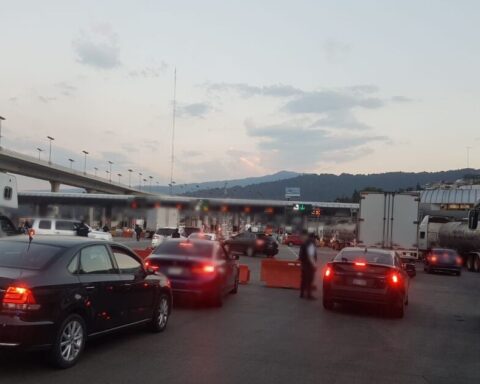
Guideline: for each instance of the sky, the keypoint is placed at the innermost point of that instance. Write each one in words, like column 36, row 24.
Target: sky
column 262, row 86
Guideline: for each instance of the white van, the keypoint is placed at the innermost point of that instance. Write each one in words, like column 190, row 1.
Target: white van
column 65, row 227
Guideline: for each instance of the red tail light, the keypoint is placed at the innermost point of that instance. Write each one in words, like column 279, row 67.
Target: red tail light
column 459, row 260
column 432, row 258
column 328, row 272
column 204, row 269
column 394, row 279
column 19, row 298
column 360, row 264
column 259, row 242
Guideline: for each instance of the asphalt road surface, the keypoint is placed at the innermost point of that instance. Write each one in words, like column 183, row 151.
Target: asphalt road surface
column 265, row 335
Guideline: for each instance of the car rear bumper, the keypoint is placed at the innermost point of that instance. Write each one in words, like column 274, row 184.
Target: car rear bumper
column 362, row 295
column 444, row 268
column 17, row 333
column 194, row 287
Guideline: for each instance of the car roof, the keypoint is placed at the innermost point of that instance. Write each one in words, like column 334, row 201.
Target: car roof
column 367, row 249
column 57, row 241
column 55, row 219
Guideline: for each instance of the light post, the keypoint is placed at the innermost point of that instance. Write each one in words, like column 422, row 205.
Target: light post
column 71, row 163
column 151, row 178
column 110, row 163
column 96, row 170
column 130, row 177
column 119, row 177
column 1, row 119
column 140, row 180
column 50, row 149
column 85, row 162
column 106, row 174
column 40, row 150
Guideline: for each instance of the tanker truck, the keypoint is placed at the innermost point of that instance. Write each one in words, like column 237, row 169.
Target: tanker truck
column 460, row 235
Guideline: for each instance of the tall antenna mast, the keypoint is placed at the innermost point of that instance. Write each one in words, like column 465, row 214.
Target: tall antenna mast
column 173, row 128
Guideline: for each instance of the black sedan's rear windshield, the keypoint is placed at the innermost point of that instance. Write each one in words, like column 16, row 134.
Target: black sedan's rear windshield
column 369, row 257
column 186, row 248
column 20, row 255
column 165, row 231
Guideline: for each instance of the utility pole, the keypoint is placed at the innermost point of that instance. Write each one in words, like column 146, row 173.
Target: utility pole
column 96, row 170
column 85, row 162
column 1, row 119
column 173, row 128
column 140, row 180
column 40, row 150
column 50, row 149
column 110, row 164
column 71, row 163
column 130, row 177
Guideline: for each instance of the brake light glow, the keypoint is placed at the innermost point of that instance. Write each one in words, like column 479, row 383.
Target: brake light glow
column 186, row 245
column 259, row 242
column 328, row 272
column 208, row 268
column 459, row 260
column 433, row 258
column 394, row 278
column 360, row 264
column 204, row 269
column 19, row 298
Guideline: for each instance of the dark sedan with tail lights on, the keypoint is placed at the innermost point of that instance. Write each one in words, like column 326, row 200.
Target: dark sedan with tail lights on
column 55, row 292
column 252, row 243
column 443, row 260
column 197, row 267
column 371, row 276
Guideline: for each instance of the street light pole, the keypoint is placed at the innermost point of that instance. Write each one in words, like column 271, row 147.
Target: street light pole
column 151, row 178
column 1, row 119
column 119, row 177
column 85, row 162
column 130, row 177
column 71, row 163
column 96, row 169
column 40, row 150
column 110, row 163
column 50, row 149
column 140, row 180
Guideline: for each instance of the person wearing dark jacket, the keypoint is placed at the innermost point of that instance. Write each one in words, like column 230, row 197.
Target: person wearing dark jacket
column 308, row 261
column 138, row 231
column 176, row 234
column 82, row 229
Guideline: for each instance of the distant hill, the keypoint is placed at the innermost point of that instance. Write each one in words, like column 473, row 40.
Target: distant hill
column 220, row 184
column 329, row 187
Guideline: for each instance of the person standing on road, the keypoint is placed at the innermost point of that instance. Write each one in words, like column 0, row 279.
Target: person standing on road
column 138, row 231
column 176, row 234
column 308, row 261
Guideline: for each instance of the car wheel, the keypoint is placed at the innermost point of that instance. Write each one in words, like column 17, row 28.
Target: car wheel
column 327, row 303
column 250, row 252
column 234, row 291
column 69, row 342
column 161, row 314
column 476, row 263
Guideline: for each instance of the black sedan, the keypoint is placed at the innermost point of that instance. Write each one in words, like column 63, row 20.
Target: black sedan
column 57, row 292
column 373, row 276
column 251, row 243
column 197, row 267
column 443, row 260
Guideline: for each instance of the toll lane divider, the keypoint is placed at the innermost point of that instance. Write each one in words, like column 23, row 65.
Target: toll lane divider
column 143, row 253
column 280, row 273
column 244, row 277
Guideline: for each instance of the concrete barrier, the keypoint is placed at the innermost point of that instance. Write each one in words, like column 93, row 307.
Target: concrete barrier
column 280, row 273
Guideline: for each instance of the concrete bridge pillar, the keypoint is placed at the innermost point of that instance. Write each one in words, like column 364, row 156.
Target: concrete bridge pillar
column 55, row 186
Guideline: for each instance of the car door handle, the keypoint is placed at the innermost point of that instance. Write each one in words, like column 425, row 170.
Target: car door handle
column 90, row 287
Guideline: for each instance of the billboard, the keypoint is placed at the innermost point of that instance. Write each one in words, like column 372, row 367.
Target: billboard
column 292, row 192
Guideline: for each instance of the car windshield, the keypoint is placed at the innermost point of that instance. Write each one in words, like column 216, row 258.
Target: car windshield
column 15, row 254
column 165, row 231
column 369, row 257
column 185, row 248
column 189, row 230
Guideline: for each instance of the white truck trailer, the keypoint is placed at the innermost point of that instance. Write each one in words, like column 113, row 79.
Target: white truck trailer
column 389, row 220
column 162, row 218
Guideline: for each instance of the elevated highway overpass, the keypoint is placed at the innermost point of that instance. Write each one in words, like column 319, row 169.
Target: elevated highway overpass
column 20, row 164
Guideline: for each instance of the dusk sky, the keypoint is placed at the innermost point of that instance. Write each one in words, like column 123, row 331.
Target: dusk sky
column 262, row 86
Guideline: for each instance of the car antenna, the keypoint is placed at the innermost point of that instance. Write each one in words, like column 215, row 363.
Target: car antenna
column 31, row 233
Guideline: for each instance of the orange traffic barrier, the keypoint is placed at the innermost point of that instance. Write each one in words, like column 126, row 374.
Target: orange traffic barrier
column 244, row 277
column 280, row 273
column 143, row 253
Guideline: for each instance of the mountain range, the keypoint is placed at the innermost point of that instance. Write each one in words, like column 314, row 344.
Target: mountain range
column 329, row 187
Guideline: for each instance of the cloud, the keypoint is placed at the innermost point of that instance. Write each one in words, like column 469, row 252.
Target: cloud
column 149, row 71
column 401, row 99
column 331, row 100
column 341, row 119
column 335, row 50
column 293, row 144
column 98, row 47
column 65, row 88
column 193, row 110
column 245, row 90
column 46, row 99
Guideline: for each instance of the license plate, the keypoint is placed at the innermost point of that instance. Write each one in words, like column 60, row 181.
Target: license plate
column 174, row 271
column 360, row 282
